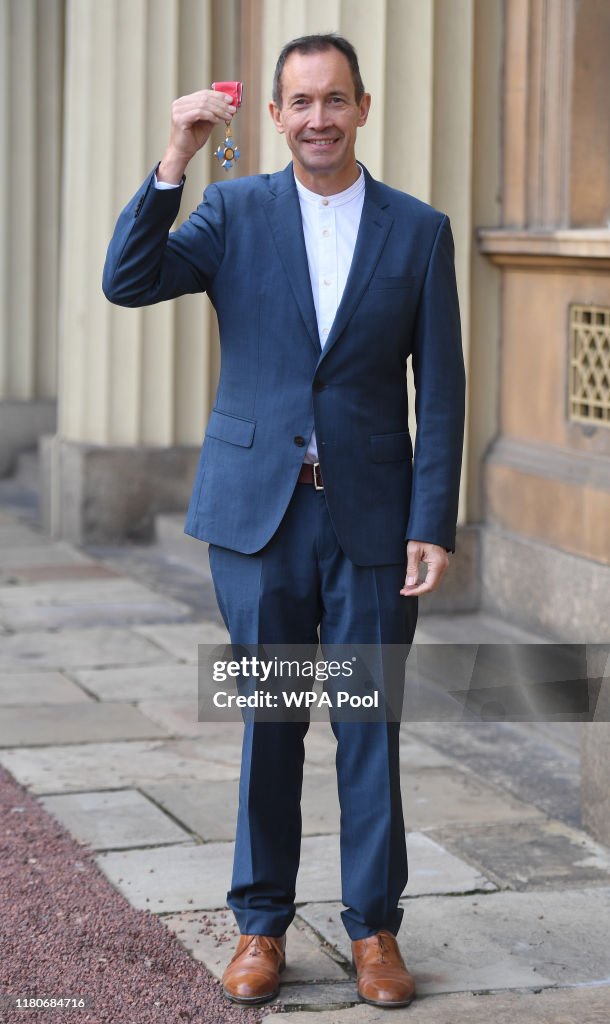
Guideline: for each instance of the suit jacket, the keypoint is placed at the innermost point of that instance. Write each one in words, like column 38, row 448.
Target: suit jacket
column 244, row 246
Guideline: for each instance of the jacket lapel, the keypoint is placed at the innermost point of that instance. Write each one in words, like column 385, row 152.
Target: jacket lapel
column 373, row 231
column 284, row 214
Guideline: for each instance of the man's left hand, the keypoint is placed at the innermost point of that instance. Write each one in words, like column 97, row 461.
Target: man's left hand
column 437, row 560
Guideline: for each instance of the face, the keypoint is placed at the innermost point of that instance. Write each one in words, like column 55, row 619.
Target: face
column 320, row 118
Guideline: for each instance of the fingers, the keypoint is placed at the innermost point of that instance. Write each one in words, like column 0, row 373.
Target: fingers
column 436, row 560
column 415, row 553
column 206, row 105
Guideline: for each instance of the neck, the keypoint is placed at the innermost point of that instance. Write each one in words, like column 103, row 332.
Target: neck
column 329, row 184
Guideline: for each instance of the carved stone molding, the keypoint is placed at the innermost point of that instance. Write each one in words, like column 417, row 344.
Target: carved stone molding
column 582, row 248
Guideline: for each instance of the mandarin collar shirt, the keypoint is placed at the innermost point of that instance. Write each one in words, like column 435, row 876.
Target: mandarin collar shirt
column 330, row 227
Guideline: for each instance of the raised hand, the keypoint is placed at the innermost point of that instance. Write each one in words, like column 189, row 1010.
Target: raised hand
column 193, row 120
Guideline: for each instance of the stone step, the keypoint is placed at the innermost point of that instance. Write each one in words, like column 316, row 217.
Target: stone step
column 174, row 542
column 27, row 469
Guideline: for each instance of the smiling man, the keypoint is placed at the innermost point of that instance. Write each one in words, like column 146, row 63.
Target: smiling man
column 317, row 515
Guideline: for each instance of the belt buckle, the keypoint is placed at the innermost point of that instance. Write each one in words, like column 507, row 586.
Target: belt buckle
column 317, row 477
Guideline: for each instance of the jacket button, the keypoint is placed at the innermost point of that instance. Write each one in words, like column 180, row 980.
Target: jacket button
column 319, row 385
column 299, row 441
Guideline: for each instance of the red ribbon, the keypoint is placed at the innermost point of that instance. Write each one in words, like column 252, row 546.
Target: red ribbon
column 234, row 89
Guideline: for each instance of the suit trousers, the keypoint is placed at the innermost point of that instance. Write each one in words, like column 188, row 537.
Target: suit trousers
column 301, row 588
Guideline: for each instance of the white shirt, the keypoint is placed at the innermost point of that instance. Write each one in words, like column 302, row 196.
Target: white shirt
column 330, row 227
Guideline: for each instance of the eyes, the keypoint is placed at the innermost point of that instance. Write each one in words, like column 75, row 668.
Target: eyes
column 301, row 102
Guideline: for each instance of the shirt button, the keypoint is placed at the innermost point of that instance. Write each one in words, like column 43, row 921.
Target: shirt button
column 325, row 331
column 325, row 202
column 326, row 232
column 299, row 441
column 326, row 281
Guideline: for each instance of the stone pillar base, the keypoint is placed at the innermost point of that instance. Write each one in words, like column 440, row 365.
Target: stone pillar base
column 544, row 589
column 461, row 587
column 595, row 768
column 21, row 424
column 104, row 495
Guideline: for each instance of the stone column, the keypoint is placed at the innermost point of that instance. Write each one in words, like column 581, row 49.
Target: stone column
column 134, row 385
column 31, row 41
column 547, row 474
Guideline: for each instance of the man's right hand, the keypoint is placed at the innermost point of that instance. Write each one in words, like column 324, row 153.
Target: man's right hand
column 193, row 120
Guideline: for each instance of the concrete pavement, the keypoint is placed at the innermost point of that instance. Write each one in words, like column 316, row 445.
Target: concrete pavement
column 508, row 902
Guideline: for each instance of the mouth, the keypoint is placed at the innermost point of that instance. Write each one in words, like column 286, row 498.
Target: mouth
column 321, row 143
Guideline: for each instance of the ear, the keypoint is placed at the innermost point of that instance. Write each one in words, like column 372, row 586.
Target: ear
column 276, row 117
column 363, row 109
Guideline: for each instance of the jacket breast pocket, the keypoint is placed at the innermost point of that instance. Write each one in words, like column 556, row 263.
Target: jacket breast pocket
column 390, row 447
column 381, row 283
column 233, row 429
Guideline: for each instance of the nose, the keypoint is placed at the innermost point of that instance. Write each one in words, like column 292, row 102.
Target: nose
column 319, row 116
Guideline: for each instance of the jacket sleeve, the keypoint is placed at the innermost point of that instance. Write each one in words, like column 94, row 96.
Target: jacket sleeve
column 438, row 370
column 146, row 263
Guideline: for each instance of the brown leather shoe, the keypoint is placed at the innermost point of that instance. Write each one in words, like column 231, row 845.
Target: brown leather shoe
column 252, row 974
column 383, row 979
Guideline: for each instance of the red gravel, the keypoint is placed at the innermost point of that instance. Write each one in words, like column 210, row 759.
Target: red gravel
column 64, row 931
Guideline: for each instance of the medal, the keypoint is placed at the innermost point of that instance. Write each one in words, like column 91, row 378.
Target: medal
column 228, row 152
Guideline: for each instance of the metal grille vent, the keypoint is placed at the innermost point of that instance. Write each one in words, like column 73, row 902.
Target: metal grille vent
column 589, row 398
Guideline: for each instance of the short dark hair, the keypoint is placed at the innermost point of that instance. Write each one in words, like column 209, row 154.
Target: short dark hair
column 318, row 44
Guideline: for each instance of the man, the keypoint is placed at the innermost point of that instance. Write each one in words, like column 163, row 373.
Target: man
column 324, row 282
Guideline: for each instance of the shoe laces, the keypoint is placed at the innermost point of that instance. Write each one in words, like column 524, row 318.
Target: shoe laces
column 260, row 945
column 383, row 949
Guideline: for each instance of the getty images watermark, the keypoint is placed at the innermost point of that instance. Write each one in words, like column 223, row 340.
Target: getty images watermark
column 393, row 682
column 265, row 671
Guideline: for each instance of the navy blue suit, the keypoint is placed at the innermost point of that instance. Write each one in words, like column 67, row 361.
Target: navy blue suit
column 291, row 564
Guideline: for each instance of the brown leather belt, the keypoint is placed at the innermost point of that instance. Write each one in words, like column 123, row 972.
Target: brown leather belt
column 311, row 474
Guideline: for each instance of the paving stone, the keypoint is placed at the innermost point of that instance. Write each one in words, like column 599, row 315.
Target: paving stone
column 431, row 869
column 178, row 716
column 78, row 648
column 477, row 628
column 32, row 688
column 431, row 797
column 443, row 796
column 15, row 535
column 320, row 745
column 74, row 723
column 51, row 592
column 182, row 641
column 220, row 742
column 114, row 819
column 150, row 565
column 84, row 603
column 515, row 757
column 533, row 855
column 318, row 998
column 421, row 755
column 557, row 1006
column 493, row 941
column 34, row 552
column 211, row 937
column 184, row 877
column 45, row 573
column 166, row 684
column 67, row 769
column 210, row 813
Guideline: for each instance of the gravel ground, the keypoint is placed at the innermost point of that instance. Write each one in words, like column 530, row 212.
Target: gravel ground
column 64, row 931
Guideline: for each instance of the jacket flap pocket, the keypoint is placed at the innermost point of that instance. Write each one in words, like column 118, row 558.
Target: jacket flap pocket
column 390, row 447
column 229, row 428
